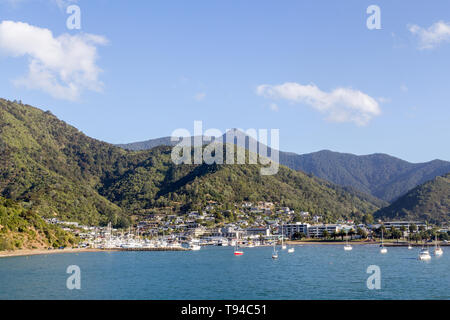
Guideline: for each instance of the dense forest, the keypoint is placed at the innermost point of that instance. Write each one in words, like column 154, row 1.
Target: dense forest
column 379, row 175
column 60, row 172
column 21, row 228
column 427, row 202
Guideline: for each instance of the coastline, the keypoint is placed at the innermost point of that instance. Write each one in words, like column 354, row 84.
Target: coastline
column 33, row 252
column 386, row 244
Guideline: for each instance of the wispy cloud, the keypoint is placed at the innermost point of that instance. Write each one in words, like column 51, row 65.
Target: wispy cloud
column 200, row 96
column 62, row 66
column 274, row 107
column 432, row 36
column 340, row 105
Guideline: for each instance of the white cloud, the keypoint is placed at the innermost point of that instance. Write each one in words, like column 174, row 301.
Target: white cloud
column 200, row 96
column 433, row 36
column 63, row 66
column 404, row 88
column 340, row 105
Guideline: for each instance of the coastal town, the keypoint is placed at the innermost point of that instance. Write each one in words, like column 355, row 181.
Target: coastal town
column 247, row 225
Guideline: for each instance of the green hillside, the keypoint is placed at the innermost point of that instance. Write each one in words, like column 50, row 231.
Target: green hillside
column 429, row 201
column 60, row 172
column 380, row 175
column 157, row 182
column 21, row 228
column 53, row 166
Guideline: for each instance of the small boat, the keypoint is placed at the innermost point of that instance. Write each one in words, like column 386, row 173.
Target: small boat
column 347, row 246
column 437, row 249
column 283, row 246
column 382, row 248
column 194, row 245
column 275, row 252
column 424, row 254
column 409, row 244
column 291, row 250
column 237, row 252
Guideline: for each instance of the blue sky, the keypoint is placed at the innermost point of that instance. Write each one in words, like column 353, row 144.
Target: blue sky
column 165, row 64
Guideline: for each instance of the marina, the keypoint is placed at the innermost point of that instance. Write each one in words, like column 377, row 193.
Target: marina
column 311, row 272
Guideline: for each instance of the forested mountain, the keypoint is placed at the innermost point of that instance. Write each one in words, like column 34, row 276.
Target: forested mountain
column 21, row 228
column 60, row 172
column 428, row 202
column 380, row 175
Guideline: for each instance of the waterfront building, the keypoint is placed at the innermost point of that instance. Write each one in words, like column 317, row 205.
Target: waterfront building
column 317, row 230
column 291, row 228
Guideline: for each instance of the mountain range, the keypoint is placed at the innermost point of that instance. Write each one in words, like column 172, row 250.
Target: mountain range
column 380, row 175
column 56, row 170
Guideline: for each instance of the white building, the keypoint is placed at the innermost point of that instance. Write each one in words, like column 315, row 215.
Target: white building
column 318, row 229
column 290, row 229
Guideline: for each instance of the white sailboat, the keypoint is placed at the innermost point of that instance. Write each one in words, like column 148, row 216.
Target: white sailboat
column 424, row 254
column 194, row 245
column 382, row 248
column 275, row 252
column 437, row 249
column 291, row 250
column 283, row 246
column 409, row 244
column 237, row 251
column 347, row 246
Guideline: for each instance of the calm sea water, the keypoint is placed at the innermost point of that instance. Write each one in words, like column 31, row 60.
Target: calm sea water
column 312, row 272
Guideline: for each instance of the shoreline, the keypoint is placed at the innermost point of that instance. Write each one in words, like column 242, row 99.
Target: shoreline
column 33, row 252
column 386, row 244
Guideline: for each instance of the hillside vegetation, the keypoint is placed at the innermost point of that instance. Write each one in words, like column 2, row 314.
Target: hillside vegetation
column 380, row 175
column 21, row 228
column 60, row 172
column 427, row 202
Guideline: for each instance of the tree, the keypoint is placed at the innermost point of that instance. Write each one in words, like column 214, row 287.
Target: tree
column 412, row 228
column 362, row 233
column 298, row 235
column 351, row 233
column 325, row 234
column 403, row 230
column 368, row 219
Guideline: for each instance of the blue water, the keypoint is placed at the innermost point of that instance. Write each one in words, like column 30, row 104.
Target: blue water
column 312, row 272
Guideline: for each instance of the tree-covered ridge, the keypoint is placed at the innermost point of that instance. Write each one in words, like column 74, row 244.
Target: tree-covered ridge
column 53, row 166
column 21, row 228
column 379, row 175
column 427, row 202
column 62, row 173
column 159, row 183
